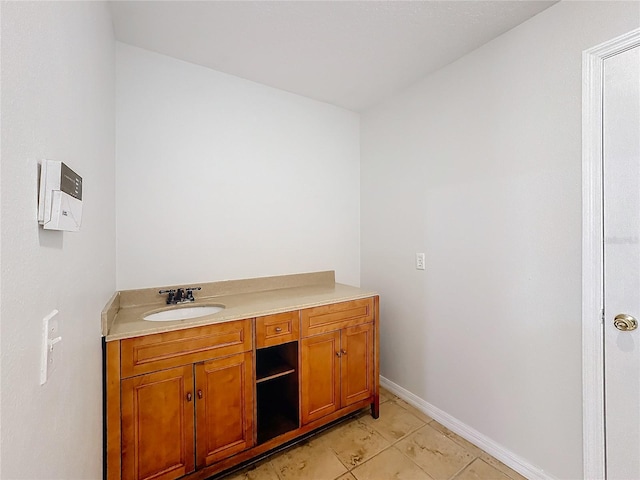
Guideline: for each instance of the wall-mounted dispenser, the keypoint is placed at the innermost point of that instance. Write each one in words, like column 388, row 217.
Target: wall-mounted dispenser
column 60, row 199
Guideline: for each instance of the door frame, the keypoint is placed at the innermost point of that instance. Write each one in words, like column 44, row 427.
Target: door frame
column 593, row 403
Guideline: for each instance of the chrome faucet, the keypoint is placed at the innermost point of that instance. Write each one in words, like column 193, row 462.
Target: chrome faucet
column 180, row 295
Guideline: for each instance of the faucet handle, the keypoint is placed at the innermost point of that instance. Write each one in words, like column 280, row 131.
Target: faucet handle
column 170, row 296
column 189, row 296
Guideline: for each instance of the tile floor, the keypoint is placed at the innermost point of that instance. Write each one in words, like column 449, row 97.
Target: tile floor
column 403, row 444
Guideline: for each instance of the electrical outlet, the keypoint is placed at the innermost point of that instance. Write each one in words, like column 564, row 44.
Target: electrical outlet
column 420, row 261
column 50, row 337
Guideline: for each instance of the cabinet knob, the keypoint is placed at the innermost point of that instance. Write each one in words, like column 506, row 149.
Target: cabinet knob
column 338, row 354
column 200, row 394
column 278, row 329
column 189, row 397
column 344, row 352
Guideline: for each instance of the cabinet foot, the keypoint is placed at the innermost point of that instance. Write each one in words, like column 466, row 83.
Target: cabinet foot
column 375, row 407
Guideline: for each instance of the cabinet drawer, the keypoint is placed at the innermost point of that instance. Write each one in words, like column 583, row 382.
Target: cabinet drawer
column 165, row 350
column 336, row 316
column 277, row 329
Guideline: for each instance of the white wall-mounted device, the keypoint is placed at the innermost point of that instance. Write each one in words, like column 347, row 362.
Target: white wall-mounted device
column 60, row 197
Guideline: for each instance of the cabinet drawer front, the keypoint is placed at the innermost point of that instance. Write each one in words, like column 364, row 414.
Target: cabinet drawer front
column 277, row 329
column 336, row 316
column 165, row 350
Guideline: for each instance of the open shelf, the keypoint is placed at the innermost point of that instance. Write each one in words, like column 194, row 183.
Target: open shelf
column 277, row 390
column 273, row 371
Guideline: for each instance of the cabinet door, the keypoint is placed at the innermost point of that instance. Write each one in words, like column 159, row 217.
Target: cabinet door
column 320, row 381
column 356, row 364
column 224, row 407
column 157, row 425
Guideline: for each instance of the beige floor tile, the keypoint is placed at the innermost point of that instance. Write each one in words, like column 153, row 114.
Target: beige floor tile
column 386, row 395
column 480, row 470
column 354, row 443
column 389, row 465
column 435, row 453
column 346, row 476
column 260, row 471
column 337, row 426
column 394, row 423
column 413, row 410
column 470, row 447
column 308, row 461
column 512, row 474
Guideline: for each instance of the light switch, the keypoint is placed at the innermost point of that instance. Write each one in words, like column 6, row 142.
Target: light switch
column 420, row 261
column 50, row 338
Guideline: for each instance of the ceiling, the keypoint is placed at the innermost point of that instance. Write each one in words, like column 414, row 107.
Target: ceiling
column 352, row 54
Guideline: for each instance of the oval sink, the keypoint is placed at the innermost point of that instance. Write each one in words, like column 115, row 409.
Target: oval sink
column 183, row 313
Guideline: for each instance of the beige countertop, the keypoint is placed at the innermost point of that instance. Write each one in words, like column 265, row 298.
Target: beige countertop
column 123, row 315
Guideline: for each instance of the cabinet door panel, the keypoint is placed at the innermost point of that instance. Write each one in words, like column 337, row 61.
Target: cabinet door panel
column 224, row 407
column 320, row 380
column 157, row 425
column 357, row 364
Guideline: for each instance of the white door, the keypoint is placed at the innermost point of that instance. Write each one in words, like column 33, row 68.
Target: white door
column 621, row 136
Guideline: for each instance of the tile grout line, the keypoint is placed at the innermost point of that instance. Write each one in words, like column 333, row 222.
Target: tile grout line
column 453, row 477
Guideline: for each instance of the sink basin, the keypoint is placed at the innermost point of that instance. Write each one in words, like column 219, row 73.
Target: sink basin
column 183, row 313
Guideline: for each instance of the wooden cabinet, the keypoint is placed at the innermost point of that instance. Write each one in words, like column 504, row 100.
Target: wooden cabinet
column 339, row 365
column 179, row 419
column 337, row 370
column 195, row 402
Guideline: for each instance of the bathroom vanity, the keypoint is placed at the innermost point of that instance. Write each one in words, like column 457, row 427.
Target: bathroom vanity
column 194, row 397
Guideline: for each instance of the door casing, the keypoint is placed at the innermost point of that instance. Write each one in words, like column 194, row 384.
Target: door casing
column 593, row 418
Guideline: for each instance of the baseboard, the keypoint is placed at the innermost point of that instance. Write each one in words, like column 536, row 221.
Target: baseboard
column 494, row 449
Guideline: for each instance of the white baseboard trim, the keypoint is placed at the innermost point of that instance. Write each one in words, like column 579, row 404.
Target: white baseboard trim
column 483, row 442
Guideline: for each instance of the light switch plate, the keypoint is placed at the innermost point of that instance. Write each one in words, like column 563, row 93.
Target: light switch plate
column 50, row 337
column 420, row 261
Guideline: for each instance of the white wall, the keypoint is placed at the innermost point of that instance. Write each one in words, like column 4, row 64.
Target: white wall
column 58, row 102
column 479, row 166
column 221, row 178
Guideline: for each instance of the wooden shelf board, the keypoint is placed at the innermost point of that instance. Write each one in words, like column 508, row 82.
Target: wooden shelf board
column 274, row 372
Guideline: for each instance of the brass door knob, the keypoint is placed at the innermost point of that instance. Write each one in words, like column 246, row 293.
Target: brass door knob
column 625, row 322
